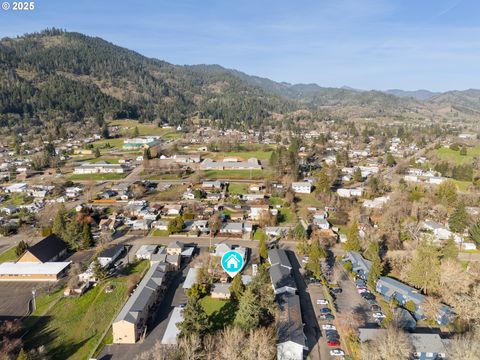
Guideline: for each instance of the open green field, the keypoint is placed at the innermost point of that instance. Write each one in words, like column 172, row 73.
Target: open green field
column 462, row 185
column 244, row 155
column 220, row 312
column 73, row 327
column 453, row 156
column 108, row 176
column 8, row 256
column 238, row 188
column 115, row 143
column 145, row 129
column 235, row 174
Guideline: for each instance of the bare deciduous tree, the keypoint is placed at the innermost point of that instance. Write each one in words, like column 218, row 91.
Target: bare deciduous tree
column 393, row 344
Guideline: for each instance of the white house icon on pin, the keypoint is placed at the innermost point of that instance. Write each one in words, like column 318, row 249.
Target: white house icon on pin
column 232, row 262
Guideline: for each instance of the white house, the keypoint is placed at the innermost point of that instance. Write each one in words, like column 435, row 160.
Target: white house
column 302, row 187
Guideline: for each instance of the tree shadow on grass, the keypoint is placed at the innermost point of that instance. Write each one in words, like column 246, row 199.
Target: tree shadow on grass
column 223, row 317
column 41, row 336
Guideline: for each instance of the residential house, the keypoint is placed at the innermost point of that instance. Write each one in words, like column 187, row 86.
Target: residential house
column 256, row 211
column 426, row 346
column 393, row 289
column 110, row 255
column 277, row 231
column 175, row 248
column 50, row 249
column 360, row 265
column 221, row 291
column 376, row 203
column 187, row 159
column 145, row 252
column 215, row 184
column 302, row 187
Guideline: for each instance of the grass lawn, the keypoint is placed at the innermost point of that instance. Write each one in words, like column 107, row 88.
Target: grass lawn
column 244, row 155
column 115, row 143
column 285, row 216
column 8, row 256
column 462, row 185
column 145, row 129
column 108, row 176
column 235, row 174
column 220, row 312
column 158, row 232
column 18, row 199
column 174, row 193
column 73, row 327
column 274, row 201
column 448, row 154
column 147, row 176
column 109, row 160
column 238, row 188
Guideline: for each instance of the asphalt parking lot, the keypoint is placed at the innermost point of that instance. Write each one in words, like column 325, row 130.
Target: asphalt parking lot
column 15, row 297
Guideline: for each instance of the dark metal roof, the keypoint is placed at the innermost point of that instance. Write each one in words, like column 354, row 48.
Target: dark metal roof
column 290, row 327
column 48, row 248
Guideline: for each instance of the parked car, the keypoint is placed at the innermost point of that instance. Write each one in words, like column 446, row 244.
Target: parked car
column 325, row 311
column 378, row 315
column 332, row 335
column 372, row 302
column 375, row 308
column 336, row 352
column 362, row 290
column 367, row 296
column 327, row 317
column 328, row 327
column 337, row 290
column 322, row 302
column 333, row 343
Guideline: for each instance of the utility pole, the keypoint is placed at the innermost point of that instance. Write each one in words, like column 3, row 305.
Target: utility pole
column 34, row 302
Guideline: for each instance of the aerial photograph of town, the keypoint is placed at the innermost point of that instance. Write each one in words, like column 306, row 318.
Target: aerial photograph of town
column 240, row 180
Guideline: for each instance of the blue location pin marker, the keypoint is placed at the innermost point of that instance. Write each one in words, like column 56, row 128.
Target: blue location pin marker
column 232, row 262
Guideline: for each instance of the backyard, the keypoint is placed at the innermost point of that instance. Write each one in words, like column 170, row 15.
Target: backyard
column 81, row 321
column 221, row 312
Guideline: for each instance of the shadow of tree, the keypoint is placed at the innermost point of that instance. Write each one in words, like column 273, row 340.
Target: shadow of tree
column 223, row 317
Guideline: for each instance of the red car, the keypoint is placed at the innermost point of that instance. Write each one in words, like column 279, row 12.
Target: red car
column 333, row 343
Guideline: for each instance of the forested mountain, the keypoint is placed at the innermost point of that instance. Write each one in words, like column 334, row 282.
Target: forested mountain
column 56, row 79
column 417, row 94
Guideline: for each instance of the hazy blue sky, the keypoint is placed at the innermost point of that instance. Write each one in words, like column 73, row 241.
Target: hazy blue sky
column 368, row 44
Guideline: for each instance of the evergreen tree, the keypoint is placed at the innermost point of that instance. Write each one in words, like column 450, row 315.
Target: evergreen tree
column 136, row 133
column 424, row 269
column 23, row 355
column 315, row 255
column 147, row 154
column 236, row 287
column 195, row 319
column 105, row 132
column 376, row 267
column 474, row 233
column 262, row 246
column 450, row 249
column 353, row 240
column 59, row 223
column 249, row 312
column 21, row 248
column 459, row 219
column 302, row 246
column 73, row 234
column 447, row 192
column 87, row 238
column 463, row 151
column 390, row 160
column 323, row 184
column 97, row 153
column 99, row 271
column 357, row 175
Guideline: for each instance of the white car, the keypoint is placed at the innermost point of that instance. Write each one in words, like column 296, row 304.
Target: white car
column 328, row 327
column 322, row 302
column 378, row 315
column 337, row 352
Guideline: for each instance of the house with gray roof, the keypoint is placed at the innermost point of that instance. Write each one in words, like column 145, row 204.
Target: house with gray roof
column 279, row 257
column 360, row 265
column 282, row 279
column 393, row 289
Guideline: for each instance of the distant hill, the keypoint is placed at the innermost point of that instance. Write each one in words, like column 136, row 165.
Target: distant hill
column 416, row 94
column 56, row 79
